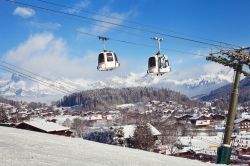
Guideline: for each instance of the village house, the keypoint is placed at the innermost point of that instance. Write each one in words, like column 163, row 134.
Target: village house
column 129, row 130
column 202, row 126
column 183, row 118
column 242, row 125
column 200, row 121
column 243, row 151
column 45, row 127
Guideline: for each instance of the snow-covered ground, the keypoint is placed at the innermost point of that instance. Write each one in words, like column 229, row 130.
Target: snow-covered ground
column 26, row 148
column 203, row 144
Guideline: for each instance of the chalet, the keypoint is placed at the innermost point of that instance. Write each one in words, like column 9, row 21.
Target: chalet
column 183, row 118
column 200, row 121
column 202, row 126
column 168, row 112
column 45, row 127
column 129, row 130
column 110, row 117
column 243, row 154
column 217, row 117
column 155, row 102
column 96, row 117
column 242, row 125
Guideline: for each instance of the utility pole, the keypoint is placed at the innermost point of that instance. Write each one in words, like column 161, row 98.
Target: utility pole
column 235, row 59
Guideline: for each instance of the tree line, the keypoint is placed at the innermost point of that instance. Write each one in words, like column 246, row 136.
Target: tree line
column 100, row 99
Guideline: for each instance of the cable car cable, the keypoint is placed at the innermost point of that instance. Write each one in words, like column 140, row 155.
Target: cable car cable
column 122, row 30
column 144, row 45
column 132, row 22
column 11, row 71
column 35, row 79
column 116, row 24
column 38, row 75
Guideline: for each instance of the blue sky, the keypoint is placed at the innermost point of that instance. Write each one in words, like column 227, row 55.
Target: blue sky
column 70, row 54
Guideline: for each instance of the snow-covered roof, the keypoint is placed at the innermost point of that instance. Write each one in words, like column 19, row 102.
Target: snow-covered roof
column 200, row 116
column 95, row 117
column 130, row 129
column 109, row 117
column 202, row 122
column 154, row 131
column 130, row 105
column 240, row 120
column 46, row 126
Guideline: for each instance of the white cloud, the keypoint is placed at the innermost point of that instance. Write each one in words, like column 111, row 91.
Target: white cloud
column 24, row 12
column 211, row 68
column 78, row 7
column 48, row 55
column 101, row 27
column 45, row 25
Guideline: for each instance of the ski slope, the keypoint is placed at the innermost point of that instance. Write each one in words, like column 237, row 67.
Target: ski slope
column 26, row 148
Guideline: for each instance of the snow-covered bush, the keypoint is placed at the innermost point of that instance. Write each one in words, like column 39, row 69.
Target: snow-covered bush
column 103, row 136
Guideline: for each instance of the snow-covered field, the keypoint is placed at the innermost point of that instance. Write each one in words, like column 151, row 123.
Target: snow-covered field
column 203, row 144
column 26, row 148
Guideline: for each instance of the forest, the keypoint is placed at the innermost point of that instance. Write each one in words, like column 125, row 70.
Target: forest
column 102, row 98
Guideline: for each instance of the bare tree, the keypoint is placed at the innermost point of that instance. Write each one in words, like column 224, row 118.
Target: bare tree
column 79, row 126
column 67, row 123
column 170, row 137
column 3, row 116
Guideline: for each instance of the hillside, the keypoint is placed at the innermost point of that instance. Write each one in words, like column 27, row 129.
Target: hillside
column 224, row 92
column 101, row 98
column 27, row 148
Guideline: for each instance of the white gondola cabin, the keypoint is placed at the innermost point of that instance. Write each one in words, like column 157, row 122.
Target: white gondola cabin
column 107, row 60
column 158, row 64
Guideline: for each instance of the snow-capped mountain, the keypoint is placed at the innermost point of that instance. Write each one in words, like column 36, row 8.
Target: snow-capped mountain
column 21, row 88
column 191, row 87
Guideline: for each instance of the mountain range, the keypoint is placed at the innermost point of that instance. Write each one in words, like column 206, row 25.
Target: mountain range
column 21, row 88
column 223, row 93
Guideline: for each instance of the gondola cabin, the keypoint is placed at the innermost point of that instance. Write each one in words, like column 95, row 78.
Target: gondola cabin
column 158, row 65
column 107, row 60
